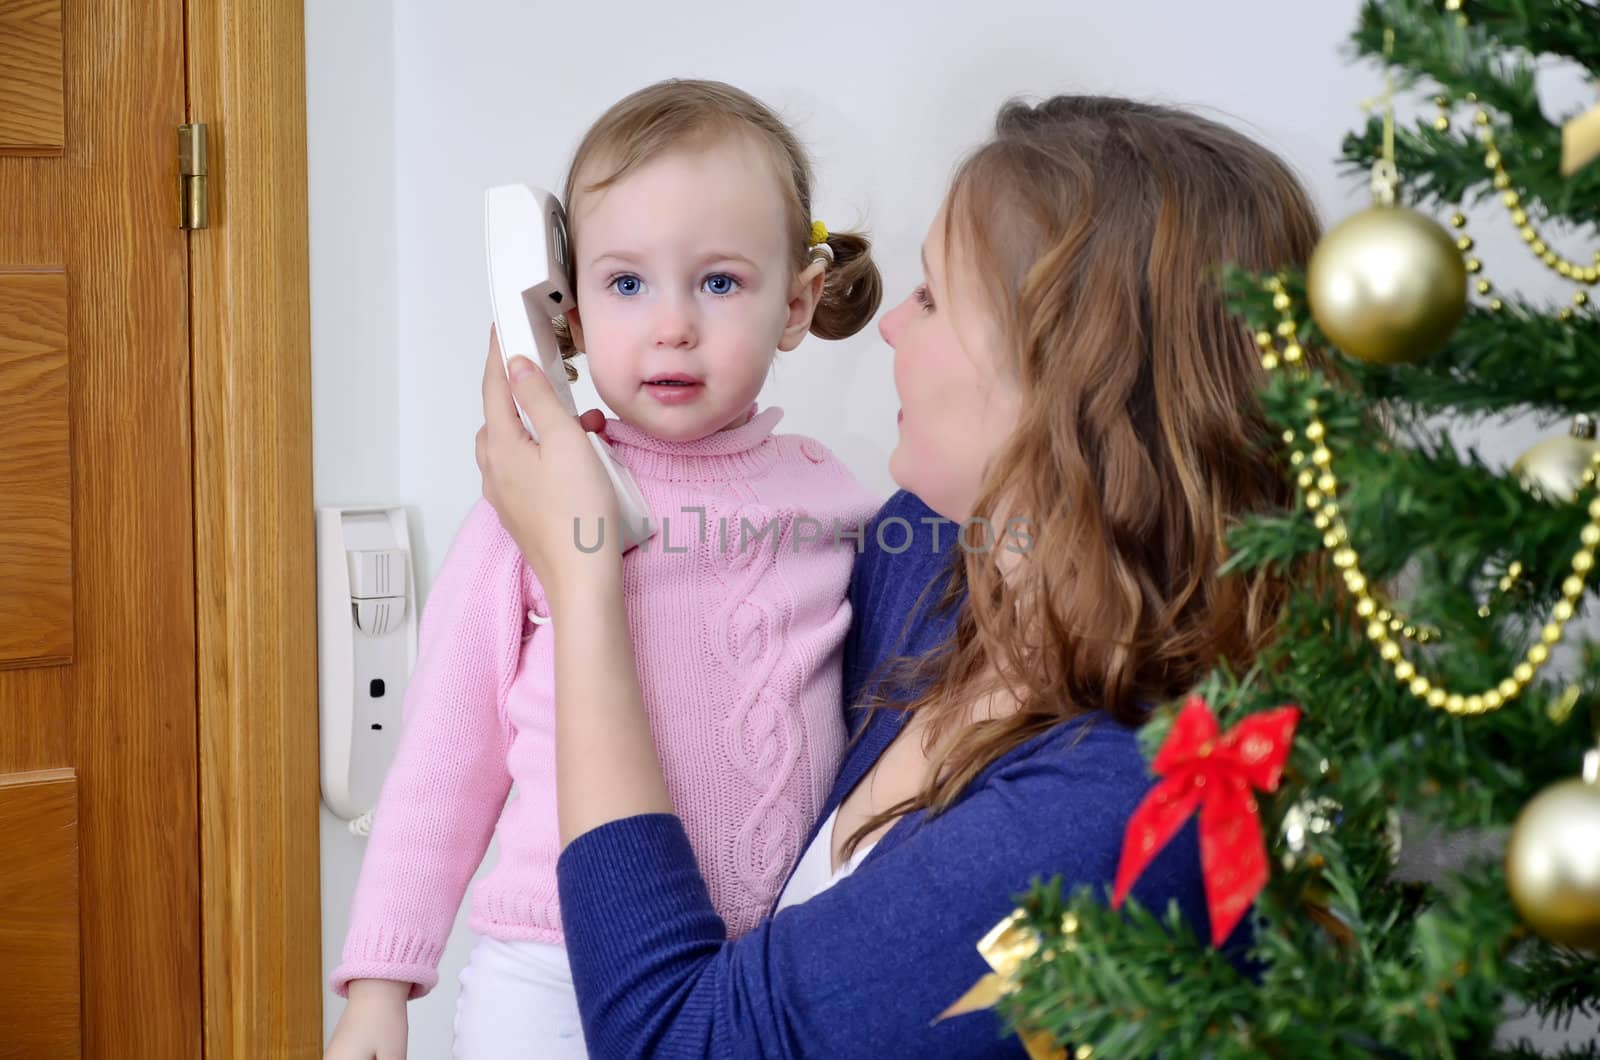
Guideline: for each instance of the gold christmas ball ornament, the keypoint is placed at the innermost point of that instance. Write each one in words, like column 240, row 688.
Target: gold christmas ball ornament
column 1553, row 861
column 1555, row 468
column 1387, row 285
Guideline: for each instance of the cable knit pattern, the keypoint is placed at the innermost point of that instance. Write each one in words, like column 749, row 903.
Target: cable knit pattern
column 751, row 613
column 738, row 620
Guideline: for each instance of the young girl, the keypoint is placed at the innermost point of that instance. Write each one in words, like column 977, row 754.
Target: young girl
column 1069, row 358
column 695, row 260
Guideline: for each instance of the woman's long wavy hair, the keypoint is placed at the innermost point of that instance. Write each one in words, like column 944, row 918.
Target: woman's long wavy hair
column 1097, row 228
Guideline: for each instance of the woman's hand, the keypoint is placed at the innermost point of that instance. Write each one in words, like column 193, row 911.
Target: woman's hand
column 553, row 494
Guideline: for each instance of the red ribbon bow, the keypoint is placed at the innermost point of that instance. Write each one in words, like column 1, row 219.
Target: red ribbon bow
column 1217, row 775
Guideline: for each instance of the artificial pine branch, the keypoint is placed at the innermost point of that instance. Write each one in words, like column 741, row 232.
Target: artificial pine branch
column 1435, row 54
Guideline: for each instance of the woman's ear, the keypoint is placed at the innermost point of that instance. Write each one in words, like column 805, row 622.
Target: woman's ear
column 575, row 329
column 804, row 295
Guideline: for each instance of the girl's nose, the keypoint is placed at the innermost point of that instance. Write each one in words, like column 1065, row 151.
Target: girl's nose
column 674, row 328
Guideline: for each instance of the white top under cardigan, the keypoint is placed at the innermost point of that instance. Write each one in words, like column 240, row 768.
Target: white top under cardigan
column 812, row 876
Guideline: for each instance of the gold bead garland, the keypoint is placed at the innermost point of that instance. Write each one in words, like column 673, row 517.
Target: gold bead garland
column 1464, row 242
column 1563, row 266
column 1321, row 497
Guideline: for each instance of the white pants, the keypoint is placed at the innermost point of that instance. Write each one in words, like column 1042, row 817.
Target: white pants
column 517, row 1002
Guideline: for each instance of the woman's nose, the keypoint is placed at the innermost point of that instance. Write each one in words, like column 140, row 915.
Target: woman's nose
column 889, row 323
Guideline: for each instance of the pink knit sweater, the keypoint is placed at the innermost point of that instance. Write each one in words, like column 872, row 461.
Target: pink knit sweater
column 738, row 642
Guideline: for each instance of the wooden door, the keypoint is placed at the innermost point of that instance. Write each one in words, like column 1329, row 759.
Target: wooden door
column 158, row 873
column 99, row 860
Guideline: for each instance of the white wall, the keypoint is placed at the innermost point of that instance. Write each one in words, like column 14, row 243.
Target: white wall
column 415, row 108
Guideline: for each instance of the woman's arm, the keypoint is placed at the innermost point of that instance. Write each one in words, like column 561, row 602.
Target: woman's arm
column 606, row 764
column 863, row 968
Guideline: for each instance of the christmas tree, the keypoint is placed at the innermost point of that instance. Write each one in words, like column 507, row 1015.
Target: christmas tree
column 1435, row 666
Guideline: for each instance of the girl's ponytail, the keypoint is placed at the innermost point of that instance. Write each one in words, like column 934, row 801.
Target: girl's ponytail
column 851, row 288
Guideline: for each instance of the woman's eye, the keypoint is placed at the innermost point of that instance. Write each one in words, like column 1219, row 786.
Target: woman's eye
column 721, row 283
column 923, row 296
column 626, row 284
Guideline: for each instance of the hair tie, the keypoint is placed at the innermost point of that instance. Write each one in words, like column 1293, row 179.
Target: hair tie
column 819, row 233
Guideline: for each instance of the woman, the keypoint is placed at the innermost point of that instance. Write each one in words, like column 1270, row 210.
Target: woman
column 1068, row 360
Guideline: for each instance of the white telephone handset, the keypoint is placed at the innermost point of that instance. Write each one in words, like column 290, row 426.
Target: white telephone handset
column 525, row 232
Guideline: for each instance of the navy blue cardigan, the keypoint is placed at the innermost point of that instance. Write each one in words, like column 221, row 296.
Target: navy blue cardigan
column 863, row 968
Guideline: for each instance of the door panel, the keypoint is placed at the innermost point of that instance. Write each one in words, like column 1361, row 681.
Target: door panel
column 31, row 103
column 35, row 476
column 39, row 1006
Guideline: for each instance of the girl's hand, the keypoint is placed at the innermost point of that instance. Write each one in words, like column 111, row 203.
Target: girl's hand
column 551, row 494
column 373, row 1026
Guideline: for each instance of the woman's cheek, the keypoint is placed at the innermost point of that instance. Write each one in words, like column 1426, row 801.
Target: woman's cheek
column 898, row 374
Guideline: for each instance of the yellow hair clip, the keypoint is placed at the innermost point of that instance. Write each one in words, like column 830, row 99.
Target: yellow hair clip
column 820, row 251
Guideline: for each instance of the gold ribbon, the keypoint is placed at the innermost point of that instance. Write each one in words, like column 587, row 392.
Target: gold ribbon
column 1005, row 947
column 1580, row 141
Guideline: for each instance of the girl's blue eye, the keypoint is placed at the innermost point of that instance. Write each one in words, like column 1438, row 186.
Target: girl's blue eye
column 721, row 284
column 626, row 285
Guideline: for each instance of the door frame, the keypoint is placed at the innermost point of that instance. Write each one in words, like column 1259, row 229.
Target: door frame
column 255, row 570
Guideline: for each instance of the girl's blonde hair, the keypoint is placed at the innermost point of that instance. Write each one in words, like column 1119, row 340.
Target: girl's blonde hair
column 673, row 114
column 1096, row 228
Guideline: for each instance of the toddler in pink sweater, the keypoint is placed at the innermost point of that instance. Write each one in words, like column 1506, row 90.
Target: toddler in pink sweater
column 695, row 261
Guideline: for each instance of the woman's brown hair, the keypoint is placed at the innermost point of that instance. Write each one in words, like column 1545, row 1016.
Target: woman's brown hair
column 1097, row 229
column 674, row 114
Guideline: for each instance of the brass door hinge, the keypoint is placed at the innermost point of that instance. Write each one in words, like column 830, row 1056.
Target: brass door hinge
column 192, row 196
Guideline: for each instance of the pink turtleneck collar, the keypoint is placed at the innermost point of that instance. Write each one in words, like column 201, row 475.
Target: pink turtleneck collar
column 718, row 457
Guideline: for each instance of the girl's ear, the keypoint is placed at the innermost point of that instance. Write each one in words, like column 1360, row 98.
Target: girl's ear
column 575, row 329
column 804, row 295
